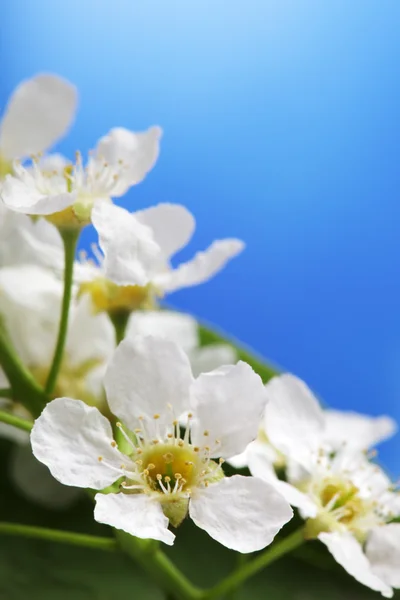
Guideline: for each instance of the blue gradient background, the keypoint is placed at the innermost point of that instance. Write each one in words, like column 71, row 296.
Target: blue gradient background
column 281, row 123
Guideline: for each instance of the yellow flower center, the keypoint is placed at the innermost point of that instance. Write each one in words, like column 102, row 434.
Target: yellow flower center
column 171, row 466
column 112, row 298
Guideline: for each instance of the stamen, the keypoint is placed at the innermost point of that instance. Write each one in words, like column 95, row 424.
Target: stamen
column 127, row 438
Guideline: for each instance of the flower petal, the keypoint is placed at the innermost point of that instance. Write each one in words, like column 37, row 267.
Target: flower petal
column 208, row 358
column 228, row 403
column 242, row 513
column 39, row 112
column 130, row 252
column 172, row 226
column 170, row 325
column 30, row 299
column 355, row 430
column 202, row 267
column 22, row 198
column 145, row 377
column 136, row 514
column 348, row 552
column 134, row 153
column 259, row 461
column 34, row 481
column 69, row 437
column 383, row 552
column 294, row 420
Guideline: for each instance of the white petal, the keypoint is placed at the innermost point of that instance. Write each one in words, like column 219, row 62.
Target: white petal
column 136, row 514
column 39, row 112
column 242, row 513
column 69, row 437
column 22, row 198
column 260, row 466
column 130, row 252
column 34, row 481
column 146, row 375
column 90, row 337
column 172, row 226
column 348, row 553
column 294, row 420
column 383, row 552
column 174, row 326
column 138, row 153
column 211, row 357
column 202, row 267
column 356, row 430
column 30, row 299
column 228, row 404
column 53, row 162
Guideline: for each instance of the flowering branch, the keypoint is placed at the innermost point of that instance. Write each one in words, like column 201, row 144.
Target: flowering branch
column 158, row 566
column 238, row 577
column 24, row 387
column 11, row 419
column 54, row 535
column 70, row 239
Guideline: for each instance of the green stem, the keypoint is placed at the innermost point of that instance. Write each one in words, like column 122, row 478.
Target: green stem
column 25, row 389
column 6, row 393
column 120, row 320
column 159, row 567
column 10, row 419
column 55, row 535
column 70, row 239
column 238, row 577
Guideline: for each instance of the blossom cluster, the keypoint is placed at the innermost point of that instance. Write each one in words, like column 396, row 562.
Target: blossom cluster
column 135, row 407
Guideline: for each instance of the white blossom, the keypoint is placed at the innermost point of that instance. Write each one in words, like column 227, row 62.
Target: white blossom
column 66, row 192
column 137, row 249
column 347, row 501
column 163, row 473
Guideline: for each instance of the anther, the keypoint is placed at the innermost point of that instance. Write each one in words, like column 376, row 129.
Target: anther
column 156, row 416
column 113, row 444
column 206, row 433
column 100, row 458
column 150, row 466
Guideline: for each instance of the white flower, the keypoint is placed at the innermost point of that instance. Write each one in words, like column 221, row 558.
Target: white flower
column 342, row 428
column 164, row 474
column 138, row 248
column 121, row 159
column 38, row 113
column 347, row 500
column 183, row 330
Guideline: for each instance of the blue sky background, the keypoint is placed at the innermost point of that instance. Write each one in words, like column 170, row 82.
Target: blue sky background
column 282, row 127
